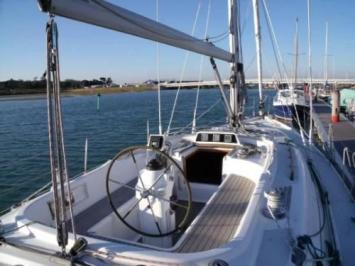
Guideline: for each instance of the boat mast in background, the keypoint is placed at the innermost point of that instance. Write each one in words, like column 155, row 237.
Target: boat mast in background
column 258, row 54
column 326, row 55
column 310, row 73
column 296, row 55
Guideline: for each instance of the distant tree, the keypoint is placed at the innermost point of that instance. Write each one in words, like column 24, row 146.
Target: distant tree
column 95, row 82
column 109, row 81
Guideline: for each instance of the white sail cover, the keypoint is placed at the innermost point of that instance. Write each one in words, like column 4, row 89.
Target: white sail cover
column 104, row 14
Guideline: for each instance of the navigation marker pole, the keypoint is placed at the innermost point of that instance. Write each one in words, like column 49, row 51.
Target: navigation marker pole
column 98, row 102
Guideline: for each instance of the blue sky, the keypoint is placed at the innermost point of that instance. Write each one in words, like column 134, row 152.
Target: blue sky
column 88, row 52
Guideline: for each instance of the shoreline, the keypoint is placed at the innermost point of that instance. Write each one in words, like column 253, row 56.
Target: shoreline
column 76, row 92
column 86, row 92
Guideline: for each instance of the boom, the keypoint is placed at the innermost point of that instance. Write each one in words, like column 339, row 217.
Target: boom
column 106, row 15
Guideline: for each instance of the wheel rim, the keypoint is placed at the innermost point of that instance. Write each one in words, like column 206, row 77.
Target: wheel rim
column 148, row 192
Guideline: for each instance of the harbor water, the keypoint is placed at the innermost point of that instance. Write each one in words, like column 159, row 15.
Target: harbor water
column 121, row 121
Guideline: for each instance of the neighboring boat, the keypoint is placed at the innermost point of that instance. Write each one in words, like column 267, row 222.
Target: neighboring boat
column 248, row 192
column 350, row 110
column 291, row 107
column 290, row 104
column 347, row 102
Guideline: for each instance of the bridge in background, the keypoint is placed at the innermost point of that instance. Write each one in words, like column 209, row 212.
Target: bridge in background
column 213, row 83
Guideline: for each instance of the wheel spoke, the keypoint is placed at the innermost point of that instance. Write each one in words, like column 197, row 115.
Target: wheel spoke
column 124, row 185
column 154, row 217
column 161, row 175
column 172, row 202
column 136, row 166
column 133, row 207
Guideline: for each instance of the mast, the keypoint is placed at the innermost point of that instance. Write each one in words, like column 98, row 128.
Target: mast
column 326, row 54
column 236, row 66
column 258, row 53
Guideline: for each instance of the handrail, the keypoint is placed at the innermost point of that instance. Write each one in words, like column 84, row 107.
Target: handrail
column 350, row 156
column 346, row 153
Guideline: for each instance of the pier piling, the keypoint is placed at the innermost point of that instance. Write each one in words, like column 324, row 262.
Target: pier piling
column 335, row 105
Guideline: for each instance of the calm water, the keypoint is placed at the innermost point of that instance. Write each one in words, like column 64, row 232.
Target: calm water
column 120, row 122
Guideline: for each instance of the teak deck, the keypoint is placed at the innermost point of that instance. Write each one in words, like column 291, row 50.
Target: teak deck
column 220, row 219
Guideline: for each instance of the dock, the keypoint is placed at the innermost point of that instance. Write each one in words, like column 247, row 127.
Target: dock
column 338, row 141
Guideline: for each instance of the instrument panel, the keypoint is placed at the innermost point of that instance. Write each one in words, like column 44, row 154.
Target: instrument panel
column 214, row 137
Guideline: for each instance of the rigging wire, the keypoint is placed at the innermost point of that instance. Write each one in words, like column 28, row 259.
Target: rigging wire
column 272, row 41
column 187, row 54
column 247, row 12
column 275, row 41
column 40, row 154
column 310, row 71
column 201, row 66
column 216, row 36
column 201, row 115
column 15, row 187
column 158, row 71
column 271, row 28
column 251, row 62
column 220, row 39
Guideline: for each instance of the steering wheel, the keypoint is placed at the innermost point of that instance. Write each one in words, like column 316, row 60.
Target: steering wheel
column 162, row 161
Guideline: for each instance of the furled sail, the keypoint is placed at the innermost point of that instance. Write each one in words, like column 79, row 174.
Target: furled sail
column 104, row 14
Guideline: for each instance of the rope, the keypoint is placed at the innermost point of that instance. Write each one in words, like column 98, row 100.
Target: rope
column 183, row 69
column 200, row 74
column 17, row 228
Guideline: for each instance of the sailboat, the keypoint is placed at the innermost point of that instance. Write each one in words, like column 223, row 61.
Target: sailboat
column 324, row 91
column 290, row 103
column 247, row 192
